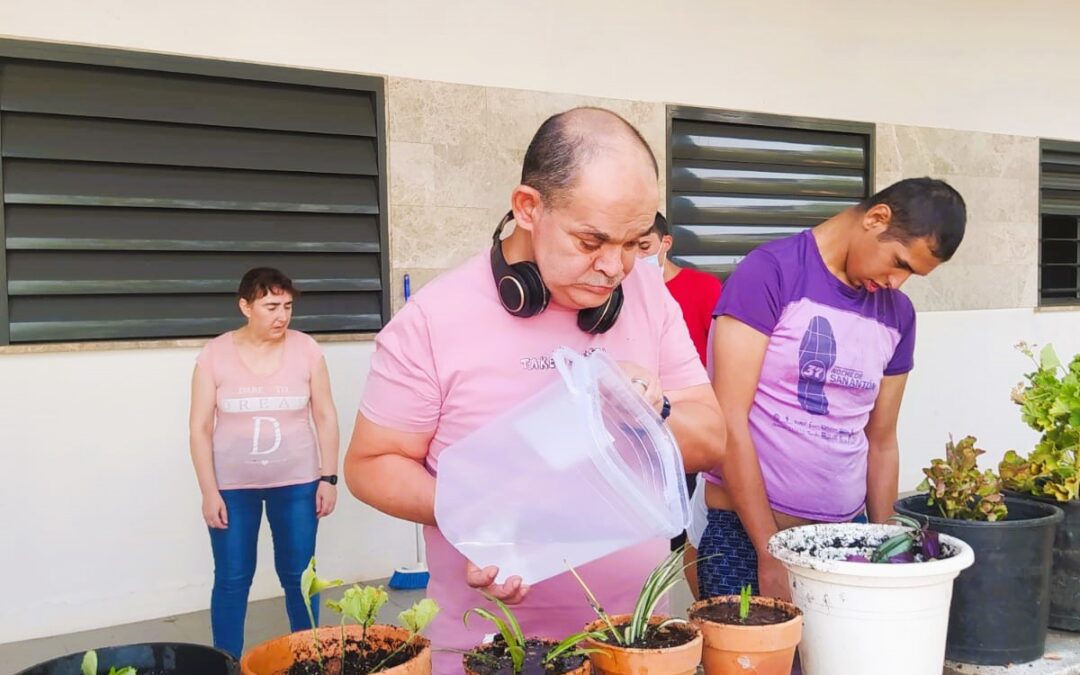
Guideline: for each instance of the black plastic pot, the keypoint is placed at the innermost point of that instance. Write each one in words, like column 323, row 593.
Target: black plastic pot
column 1065, row 575
column 158, row 658
column 1001, row 605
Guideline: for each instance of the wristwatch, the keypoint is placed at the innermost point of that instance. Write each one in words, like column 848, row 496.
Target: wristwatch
column 332, row 479
column 665, row 410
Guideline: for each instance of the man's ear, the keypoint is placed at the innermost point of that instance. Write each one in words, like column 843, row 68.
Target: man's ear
column 527, row 205
column 877, row 218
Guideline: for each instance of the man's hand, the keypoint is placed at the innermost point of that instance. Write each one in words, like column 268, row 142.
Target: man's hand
column 512, row 591
column 646, row 383
column 773, row 578
column 325, row 499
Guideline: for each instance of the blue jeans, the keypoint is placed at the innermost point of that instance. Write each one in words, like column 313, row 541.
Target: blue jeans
column 291, row 512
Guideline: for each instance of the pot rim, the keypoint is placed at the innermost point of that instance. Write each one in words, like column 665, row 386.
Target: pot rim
column 1052, row 515
column 778, row 547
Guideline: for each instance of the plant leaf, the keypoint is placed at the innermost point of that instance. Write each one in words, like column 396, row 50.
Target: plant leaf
column 420, row 615
column 311, row 584
column 89, row 663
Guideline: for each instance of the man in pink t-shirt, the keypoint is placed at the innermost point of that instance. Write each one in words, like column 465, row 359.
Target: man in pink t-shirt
column 466, row 348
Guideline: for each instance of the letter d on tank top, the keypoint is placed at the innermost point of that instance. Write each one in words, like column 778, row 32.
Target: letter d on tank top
column 255, row 437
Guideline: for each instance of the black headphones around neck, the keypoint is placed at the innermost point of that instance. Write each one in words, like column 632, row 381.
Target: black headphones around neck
column 523, row 293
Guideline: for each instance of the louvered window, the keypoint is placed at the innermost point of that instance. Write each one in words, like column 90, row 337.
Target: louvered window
column 1059, row 234
column 137, row 189
column 738, row 180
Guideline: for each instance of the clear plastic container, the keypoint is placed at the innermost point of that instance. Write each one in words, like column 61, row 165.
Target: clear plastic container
column 580, row 470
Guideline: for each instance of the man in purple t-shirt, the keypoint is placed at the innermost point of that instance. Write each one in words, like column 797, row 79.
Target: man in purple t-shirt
column 812, row 345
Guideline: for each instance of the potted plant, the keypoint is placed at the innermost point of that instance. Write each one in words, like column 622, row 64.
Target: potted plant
column 363, row 648
column 743, row 634
column 642, row 642
column 511, row 653
column 1050, row 404
column 159, row 658
column 1001, row 606
column 862, row 611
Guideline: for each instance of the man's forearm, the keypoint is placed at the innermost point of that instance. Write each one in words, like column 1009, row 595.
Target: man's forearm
column 699, row 429
column 882, row 479
column 746, row 489
column 396, row 485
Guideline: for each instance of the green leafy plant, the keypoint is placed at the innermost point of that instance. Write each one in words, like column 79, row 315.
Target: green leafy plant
column 415, row 620
column 90, row 666
column 1050, row 404
column 362, row 605
column 660, row 581
column 744, row 602
column 957, row 487
column 310, row 586
column 514, row 640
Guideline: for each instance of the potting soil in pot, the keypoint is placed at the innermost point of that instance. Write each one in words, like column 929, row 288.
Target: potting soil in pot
column 356, row 663
column 495, row 660
column 728, row 613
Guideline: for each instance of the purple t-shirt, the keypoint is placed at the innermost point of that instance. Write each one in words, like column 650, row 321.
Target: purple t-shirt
column 829, row 347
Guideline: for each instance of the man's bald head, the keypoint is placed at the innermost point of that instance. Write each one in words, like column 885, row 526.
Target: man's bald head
column 565, row 143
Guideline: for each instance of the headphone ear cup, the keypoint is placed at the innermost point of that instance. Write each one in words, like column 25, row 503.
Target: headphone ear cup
column 536, row 294
column 597, row 320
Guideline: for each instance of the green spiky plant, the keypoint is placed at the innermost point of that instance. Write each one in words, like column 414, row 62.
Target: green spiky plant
column 744, row 602
column 310, row 586
column 90, row 666
column 510, row 630
column 660, row 581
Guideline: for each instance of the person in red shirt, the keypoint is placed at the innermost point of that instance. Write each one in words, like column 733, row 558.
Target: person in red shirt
column 697, row 294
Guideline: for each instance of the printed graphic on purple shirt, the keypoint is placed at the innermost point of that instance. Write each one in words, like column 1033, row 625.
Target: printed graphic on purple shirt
column 817, row 354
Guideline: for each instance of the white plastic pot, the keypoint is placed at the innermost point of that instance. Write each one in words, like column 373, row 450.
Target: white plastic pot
column 880, row 619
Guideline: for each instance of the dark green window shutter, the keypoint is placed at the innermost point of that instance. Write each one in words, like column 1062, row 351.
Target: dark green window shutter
column 137, row 189
column 1059, row 211
column 739, row 180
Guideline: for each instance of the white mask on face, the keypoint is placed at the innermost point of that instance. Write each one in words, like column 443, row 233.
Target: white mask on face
column 651, row 260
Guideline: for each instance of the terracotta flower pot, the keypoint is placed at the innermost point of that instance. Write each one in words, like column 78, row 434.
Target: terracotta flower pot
column 734, row 649
column 585, row 669
column 275, row 656
column 615, row 660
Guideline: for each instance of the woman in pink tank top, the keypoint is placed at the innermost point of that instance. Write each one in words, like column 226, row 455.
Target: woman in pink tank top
column 263, row 431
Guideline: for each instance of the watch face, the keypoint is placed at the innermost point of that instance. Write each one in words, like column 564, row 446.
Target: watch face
column 329, row 479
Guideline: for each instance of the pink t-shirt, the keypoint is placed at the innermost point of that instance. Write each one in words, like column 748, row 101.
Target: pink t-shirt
column 263, row 436
column 453, row 359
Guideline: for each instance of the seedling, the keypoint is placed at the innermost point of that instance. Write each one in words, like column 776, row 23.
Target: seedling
column 510, row 630
column 90, row 666
column 660, row 581
column 744, row 603
column 362, row 605
column 310, row 586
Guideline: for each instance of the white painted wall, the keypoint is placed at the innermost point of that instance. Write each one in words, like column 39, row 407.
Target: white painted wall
column 986, row 65
column 101, row 519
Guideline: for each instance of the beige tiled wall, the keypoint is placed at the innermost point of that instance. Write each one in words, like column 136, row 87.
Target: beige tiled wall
column 997, row 265
column 455, row 154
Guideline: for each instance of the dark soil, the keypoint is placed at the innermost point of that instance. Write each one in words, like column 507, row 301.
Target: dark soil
column 355, row 662
column 495, row 660
column 727, row 613
column 672, row 635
